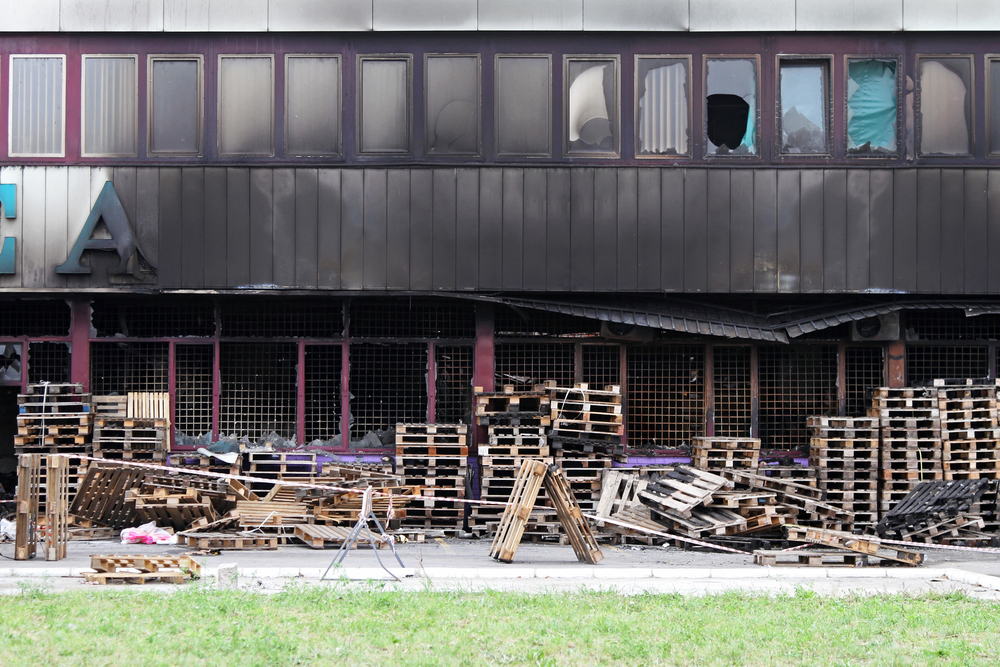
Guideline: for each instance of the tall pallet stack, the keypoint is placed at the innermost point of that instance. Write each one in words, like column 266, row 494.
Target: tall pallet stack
column 910, row 424
column 56, row 419
column 435, row 457
column 970, row 440
column 844, row 452
column 132, row 428
column 517, row 426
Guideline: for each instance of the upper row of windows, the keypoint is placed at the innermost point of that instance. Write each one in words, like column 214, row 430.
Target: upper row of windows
column 523, row 105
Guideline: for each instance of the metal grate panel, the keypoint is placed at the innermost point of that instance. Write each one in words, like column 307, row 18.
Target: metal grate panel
column 731, row 386
column 602, row 365
column 258, row 389
column 412, row 318
column 865, row 371
column 665, row 395
column 118, row 368
column 795, row 382
column 527, row 364
column 164, row 317
column 281, row 317
column 951, row 325
column 453, row 384
column 322, row 374
column 927, row 362
column 388, row 385
column 48, row 362
column 49, row 317
column 193, row 368
column 523, row 322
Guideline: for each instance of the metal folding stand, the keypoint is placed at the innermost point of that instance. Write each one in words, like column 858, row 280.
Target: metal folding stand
column 366, row 515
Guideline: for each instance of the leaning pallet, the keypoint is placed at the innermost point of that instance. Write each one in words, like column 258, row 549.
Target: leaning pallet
column 101, row 498
column 577, row 528
column 520, row 504
column 142, row 569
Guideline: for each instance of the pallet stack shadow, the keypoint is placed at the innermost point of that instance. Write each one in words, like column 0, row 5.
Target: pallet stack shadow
column 517, row 426
column 844, row 451
column 55, row 419
column 132, row 428
column 434, row 457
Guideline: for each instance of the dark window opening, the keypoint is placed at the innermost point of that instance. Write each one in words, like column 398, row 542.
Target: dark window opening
column 727, row 120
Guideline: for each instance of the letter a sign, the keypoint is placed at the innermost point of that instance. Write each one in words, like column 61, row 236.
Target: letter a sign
column 108, row 208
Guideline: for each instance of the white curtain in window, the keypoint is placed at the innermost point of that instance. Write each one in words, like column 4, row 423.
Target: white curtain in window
column 663, row 119
column 109, row 106
column 586, row 100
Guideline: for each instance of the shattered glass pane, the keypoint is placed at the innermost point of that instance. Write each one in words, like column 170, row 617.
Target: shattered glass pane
column 871, row 106
column 803, row 108
column 945, row 106
column 731, row 105
column 591, row 106
column 453, row 105
column 10, row 362
column 663, row 106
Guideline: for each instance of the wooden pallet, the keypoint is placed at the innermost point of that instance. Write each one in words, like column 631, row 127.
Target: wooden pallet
column 682, row 489
column 101, row 497
column 515, row 516
column 29, row 488
column 177, row 510
column 842, row 540
column 810, row 558
column 142, row 569
column 228, row 541
column 570, row 515
column 318, row 537
column 511, row 404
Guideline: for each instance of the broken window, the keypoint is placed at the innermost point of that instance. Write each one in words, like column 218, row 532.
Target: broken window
column 871, row 106
column 10, row 362
column 731, row 106
column 312, row 105
column 384, row 105
column 523, row 105
column 109, row 106
column 945, row 104
column 175, row 105
column 37, row 105
column 804, row 106
column 592, row 106
column 246, row 105
column 452, row 97
column 662, row 105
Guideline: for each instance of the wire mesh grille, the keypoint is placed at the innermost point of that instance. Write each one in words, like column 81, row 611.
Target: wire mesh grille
column 602, row 365
column 665, row 395
column 794, row 382
column 118, row 368
column 281, row 318
column 865, row 371
column 388, row 385
column 412, row 318
column 322, row 374
column 50, row 317
column 453, row 384
column 731, row 386
column 193, row 370
column 523, row 322
column 48, row 362
column 951, row 325
column 166, row 317
column 527, row 364
column 927, row 362
column 258, row 389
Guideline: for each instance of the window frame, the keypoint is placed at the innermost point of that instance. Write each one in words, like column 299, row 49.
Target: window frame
column 83, row 103
column 218, row 103
column 755, row 57
column 827, row 61
column 900, row 107
column 340, row 118
column 479, row 105
column 918, row 119
column 359, row 104
column 689, row 64
column 497, row 153
column 10, row 103
column 151, row 59
column 616, row 104
column 988, row 59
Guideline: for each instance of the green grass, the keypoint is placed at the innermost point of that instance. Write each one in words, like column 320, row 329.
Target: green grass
column 327, row 626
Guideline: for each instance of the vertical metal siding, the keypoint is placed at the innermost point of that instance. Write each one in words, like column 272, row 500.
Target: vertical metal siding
column 695, row 229
column 788, row 227
column 881, row 261
column 976, row 252
column 397, row 244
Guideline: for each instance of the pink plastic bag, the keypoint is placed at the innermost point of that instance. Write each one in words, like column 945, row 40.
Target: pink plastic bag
column 147, row 533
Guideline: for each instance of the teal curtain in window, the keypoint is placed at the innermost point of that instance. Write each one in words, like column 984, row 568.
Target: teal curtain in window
column 871, row 104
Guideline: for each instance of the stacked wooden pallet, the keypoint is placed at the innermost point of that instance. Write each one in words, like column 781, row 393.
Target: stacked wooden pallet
column 123, row 433
column 714, row 453
column 142, row 569
column 435, row 457
column 279, row 466
column 938, row 511
column 195, row 461
column 910, row 425
column 176, row 510
column 844, row 452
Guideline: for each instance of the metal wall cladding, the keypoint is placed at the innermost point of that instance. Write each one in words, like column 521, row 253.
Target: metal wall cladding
column 579, row 229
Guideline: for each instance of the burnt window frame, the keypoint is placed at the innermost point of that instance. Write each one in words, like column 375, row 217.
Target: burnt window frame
column 758, row 129
column 918, row 119
column 988, row 60
column 359, row 105
column 497, row 152
column 340, row 121
column 900, row 107
column 479, row 107
column 219, row 99
column 151, row 59
column 84, row 57
column 615, row 107
column 688, row 59
column 827, row 61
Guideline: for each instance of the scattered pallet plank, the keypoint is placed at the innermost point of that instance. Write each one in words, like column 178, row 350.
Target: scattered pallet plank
column 851, row 542
column 168, row 569
column 228, row 541
column 318, row 537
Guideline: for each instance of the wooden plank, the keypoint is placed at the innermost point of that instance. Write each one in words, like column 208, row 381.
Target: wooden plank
column 397, row 248
column 741, row 214
column 605, row 229
column 695, row 230
column 375, row 231
column 261, row 227
column 672, row 229
column 490, row 228
column 765, row 230
column 535, row 229
column 444, row 231
column 648, row 230
column 558, row 246
column 952, row 231
column 858, row 229
column 283, row 229
column 467, row 229
column 717, row 246
column 788, row 230
column 237, row 226
column 976, row 258
column 421, row 230
column 56, row 211
column 904, row 230
column 628, row 232
column 306, row 227
column 928, row 230
column 352, row 229
column 193, row 225
column 513, row 228
column 328, row 234
column 171, row 227
column 582, row 229
column 215, row 227
column 880, row 259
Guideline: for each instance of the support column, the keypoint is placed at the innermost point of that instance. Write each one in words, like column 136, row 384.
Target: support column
column 709, row 390
column 79, row 369
column 842, row 379
column 754, row 394
column 483, row 375
column 172, row 392
column 895, row 363
column 300, row 396
column 431, row 384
